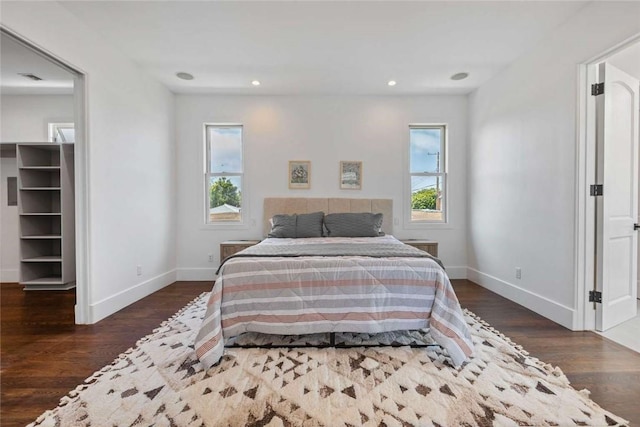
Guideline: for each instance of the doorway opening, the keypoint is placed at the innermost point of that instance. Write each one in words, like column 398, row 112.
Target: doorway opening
column 593, row 239
column 65, row 92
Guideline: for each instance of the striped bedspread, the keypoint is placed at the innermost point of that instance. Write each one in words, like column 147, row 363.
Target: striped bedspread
column 305, row 295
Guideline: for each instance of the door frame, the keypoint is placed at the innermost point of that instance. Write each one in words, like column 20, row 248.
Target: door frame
column 81, row 173
column 584, row 317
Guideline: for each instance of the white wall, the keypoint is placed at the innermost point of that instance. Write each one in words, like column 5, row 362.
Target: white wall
column 23, row 119
column 131, row 152
column 522, row 164
column 324, row 130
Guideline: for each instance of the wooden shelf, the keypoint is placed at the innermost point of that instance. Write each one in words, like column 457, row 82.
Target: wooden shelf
column 40, row 168
column 46, row 210
column 39, row 156
column 46, row 258
column 40, row 213
column 49, row 287
column 51, row 280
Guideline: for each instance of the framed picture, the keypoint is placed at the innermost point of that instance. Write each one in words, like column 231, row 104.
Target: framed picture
column 350, row 175
column 299, row 174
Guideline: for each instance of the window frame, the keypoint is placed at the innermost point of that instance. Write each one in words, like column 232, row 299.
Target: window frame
column 208, row 175
column 53, row 131
column 444, row 175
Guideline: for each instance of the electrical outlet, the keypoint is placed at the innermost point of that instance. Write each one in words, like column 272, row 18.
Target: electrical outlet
column 210, row 257
column 518, row 273
column 396, row 221
column 139, row 270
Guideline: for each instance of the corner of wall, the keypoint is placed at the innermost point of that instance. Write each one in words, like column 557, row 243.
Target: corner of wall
column 114, row 303
column 552, row 310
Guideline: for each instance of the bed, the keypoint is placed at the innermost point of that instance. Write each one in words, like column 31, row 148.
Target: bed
column 352, row 281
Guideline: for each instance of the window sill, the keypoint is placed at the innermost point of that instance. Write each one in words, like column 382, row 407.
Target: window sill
column 214, row 227
column 427, row 226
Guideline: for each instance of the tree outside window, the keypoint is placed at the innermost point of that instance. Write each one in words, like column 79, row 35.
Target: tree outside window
column 224, row 173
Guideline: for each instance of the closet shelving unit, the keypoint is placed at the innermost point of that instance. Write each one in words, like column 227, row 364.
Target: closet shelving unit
column 47, row 216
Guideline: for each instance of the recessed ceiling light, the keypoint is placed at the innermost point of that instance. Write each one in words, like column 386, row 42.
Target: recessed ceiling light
column 460, row 76
column 255, row 83
column 392, row 83
column 184, row 76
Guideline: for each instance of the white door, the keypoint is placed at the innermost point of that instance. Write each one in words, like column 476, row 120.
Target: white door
column 617, row 210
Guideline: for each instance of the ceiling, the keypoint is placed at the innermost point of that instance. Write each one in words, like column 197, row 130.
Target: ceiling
column 15, row 59
column 323, row 47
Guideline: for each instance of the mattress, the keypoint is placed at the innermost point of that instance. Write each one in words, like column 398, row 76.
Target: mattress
column 312, row 294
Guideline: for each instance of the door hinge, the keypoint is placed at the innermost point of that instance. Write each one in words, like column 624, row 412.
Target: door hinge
column 595, row 296
column 597, row 89
column 596, row 190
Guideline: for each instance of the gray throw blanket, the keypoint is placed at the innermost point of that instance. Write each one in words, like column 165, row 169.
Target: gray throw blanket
column 374, row 250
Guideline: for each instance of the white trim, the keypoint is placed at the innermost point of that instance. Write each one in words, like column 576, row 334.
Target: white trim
column 197, row 274
column 82, row 179
column 52, row 128
column 584, row 218
column 585, row 315
column 10, row 275
column 115, row 303
column 406, row 208
column 416, row 225
column 552, row 310
column 243, row 223
column 601, row 57
column 585, row 204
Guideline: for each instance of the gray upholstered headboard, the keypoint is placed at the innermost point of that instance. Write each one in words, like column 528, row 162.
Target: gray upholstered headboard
column 302, row 205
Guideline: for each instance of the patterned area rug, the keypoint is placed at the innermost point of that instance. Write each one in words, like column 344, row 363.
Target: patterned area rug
column 160, row 382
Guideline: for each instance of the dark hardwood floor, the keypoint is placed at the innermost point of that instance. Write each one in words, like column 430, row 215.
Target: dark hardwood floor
column 44, row 355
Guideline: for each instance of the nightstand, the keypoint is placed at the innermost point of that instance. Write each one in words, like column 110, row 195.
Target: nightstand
column 230, row 247
column 429, row 246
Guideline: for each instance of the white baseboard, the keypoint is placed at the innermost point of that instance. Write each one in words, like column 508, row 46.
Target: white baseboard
column 9, row 275
column 543, row 306
column 197, row 274
column 456, row 272
column 117, row 302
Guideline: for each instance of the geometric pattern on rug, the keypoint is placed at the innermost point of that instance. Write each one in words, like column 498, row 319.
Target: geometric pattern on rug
column 160, row 382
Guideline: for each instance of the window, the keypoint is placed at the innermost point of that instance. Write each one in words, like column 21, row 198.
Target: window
column 224, row 173
column 427, row 170
column 62, row 132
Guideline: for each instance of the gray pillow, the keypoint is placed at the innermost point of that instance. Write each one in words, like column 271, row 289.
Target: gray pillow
column 297, row 226
column 363, row 224
column 283, row 226
column 309, row 225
